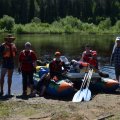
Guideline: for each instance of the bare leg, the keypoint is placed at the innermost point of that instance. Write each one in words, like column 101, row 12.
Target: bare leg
column 43, row 90
column 3, row 72
column 46, row 81
column 31, row 88
column 10, row 72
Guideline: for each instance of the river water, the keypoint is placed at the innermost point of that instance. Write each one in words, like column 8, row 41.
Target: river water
column 70, row 45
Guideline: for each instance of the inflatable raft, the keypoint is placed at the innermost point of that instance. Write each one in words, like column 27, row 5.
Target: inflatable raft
column 104, row 85
column 64, row 88
column 59, row 88
column 97, row 83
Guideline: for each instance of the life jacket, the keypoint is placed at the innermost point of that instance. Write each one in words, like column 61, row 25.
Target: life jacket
column 89, row 58
column 27, row 57
column 56, row 65
column 9, row 50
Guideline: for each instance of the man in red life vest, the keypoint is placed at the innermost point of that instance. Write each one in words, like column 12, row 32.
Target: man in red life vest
column 57, row 67
column 90, row 57
column 8, row 52
column 27, row 60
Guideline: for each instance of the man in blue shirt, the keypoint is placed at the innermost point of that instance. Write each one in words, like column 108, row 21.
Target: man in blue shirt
column 115, row 58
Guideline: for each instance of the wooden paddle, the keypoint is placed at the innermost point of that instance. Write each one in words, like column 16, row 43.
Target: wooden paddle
column 82, row 93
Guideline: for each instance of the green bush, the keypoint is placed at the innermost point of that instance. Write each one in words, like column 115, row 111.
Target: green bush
column 36, row 20
column 19, row 29
column 69, row 20
column 105, row 24
column 57, row 24
column 99, row 18
column 79, row 25
column 7, row 23
column 117, row 25
column 87, row 27
column 68, row 29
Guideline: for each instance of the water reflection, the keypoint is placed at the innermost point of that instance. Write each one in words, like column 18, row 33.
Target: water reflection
column 16, row 84
column 109, row 70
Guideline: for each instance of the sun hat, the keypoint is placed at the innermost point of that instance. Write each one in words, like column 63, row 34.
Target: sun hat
column 9, row 37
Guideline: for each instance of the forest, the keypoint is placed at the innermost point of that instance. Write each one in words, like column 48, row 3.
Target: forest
column 90, row 11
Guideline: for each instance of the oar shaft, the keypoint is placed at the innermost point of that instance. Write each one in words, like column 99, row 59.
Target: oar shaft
column 87, row 92
column 89, row 78
column 84, row 80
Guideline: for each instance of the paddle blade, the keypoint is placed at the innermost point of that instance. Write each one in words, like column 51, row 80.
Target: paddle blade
column 87, row 94
column 78, row 96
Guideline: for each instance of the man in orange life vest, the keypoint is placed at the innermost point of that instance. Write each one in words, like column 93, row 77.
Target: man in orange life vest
column 27, row 60
column 57, row 67
column 8, row 51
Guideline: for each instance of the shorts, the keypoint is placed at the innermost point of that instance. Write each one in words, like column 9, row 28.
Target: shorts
column 8, row 63
column 5, row 70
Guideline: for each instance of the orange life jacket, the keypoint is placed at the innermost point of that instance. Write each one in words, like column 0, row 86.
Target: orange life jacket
column 9, row 50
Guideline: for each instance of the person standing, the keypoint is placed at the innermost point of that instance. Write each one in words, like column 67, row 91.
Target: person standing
column 115, row 58
column 8, row 52
column 27, row 65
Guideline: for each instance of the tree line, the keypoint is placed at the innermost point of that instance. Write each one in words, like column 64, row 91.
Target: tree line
column 91, row 11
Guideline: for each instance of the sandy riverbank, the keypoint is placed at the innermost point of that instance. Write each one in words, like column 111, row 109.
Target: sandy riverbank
column 46, row 108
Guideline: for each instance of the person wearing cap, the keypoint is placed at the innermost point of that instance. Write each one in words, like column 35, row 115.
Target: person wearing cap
column 27, row 65
column 8, row 52
column 115, row 57
column 57, row 67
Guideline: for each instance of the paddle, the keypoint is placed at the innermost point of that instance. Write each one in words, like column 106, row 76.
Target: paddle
column 86, row 91
column 101, row 74
column 93, row 67
column 80, row 95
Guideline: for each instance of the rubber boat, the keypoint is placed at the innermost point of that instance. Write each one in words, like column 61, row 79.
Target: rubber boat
column 104, row 85
column 59, row 88
column 64, row 88
column 97, row 83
